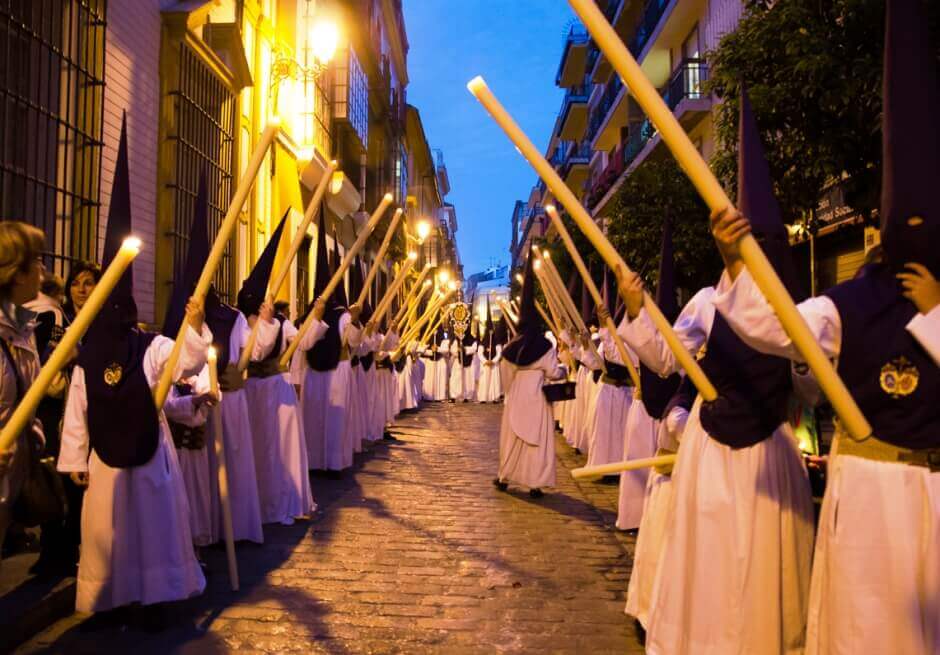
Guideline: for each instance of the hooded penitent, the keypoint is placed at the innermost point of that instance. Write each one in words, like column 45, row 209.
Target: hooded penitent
column 122, row 420
column 893, row 379
column 335, row 261
column 657, row 391
column 530, row 344
column 489, row 338
column 255, row 287
column 219, row 316
column 469, row 338
column 588, row 314
column 324, row 356
column 355, row 288
column 753, row 388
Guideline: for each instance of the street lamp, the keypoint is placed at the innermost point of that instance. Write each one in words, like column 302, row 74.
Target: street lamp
column 322, row 41
column 424, row 230
column 443, row 277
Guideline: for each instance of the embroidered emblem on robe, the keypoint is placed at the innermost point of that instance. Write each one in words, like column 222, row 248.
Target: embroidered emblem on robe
column 113, row 374
column 899, row 377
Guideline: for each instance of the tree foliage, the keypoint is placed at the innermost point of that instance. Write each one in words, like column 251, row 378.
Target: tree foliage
column 813, row 71
column 656, row 189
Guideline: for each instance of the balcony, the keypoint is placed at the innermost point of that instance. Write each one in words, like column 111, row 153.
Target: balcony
column 646, row 26
column 574, row 113
column 574, row 161
column 640, row 134
column 607, row 178
column 686, row 84
column 602, row 108
column 573, row 58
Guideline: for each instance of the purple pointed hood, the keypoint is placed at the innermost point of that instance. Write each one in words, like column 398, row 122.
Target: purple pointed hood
column 756, row 199
column 910, row 204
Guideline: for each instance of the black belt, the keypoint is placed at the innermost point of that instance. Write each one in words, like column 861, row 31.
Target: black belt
column 265, row 369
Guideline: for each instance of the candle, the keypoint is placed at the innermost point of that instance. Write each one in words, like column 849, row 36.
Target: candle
column 386, row 301
column 599, row 471
column 419, row 285
column 62, row 354
column 380, row 256
column 215, row 255
column 338, row 274
column 413, row 310
column 212, row 363
column 766, row 278
column 604, row 316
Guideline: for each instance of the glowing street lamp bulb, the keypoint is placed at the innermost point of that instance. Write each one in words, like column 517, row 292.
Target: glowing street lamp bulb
column 452, row 285
column 424, row 230
column 443, row 276
column 324, row 39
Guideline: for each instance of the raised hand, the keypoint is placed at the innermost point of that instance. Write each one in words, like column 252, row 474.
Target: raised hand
column 920, row 287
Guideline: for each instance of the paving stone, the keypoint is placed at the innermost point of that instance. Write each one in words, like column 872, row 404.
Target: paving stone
column 412, row 551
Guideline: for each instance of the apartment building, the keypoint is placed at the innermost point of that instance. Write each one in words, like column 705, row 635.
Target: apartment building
column 601, row 135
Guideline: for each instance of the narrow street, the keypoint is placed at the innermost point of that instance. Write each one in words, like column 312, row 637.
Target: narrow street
column 412, row 551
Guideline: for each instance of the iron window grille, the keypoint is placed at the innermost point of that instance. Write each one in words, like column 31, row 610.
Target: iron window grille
column 204, row 142
column 51, row 106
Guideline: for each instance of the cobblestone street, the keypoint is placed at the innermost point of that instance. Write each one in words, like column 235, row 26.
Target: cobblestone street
column 413, row 551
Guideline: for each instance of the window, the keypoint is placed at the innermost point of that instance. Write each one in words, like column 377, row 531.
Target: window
column 204, row 142
column 51, row 88
column 351, row 93
column 304, row 288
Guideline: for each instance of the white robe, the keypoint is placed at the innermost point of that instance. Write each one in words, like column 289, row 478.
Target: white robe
column 527, row 430
column 136, row 540
column 656, row 509
column 611, row 408
column 280, row 449
column 876, row 570
column 194, row 464
column 435, row 375
column 359, row 414
column 639, row 441
column 488, row 386
column 586, row 398
column 739, row 538
column 324, row 403
column 241, row 442
column 462, row 382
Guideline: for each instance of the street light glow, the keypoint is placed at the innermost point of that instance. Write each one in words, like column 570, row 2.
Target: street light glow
column 424, row 230
column 443, row 276
column 323, row 40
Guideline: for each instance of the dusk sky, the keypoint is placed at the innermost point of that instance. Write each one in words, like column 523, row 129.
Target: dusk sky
column 516, row 47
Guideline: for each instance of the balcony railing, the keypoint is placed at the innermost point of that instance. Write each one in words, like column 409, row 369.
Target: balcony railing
column 686, row 83
column 610, row 12
column 611, row 91
column 649, row 19
column 640, row 134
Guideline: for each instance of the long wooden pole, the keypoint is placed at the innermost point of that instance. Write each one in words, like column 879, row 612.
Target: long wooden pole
column 695, row 167
column 338, row 274
column 215, row 255
column 587, row 225
column 379, row 257
column 410, row 297
column 599, row 471
column 602, row 314
column 295, row 244
column 26, row 409
column 399, row 280
column 406, row 320
column 216, row 417
column 575, row 315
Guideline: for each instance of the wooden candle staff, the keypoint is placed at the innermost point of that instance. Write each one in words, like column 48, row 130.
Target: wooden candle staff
column 216, row 418
column 215, row 255
column 587, row 225
column 62, row 354
column 695, row 167
column 599, row 471
column 386, row 301
column 426, row 287
column 602, row 314
column 312, row 209
column 379, row 257
column 418, row 286
column 337, row 275
column 573, row 312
